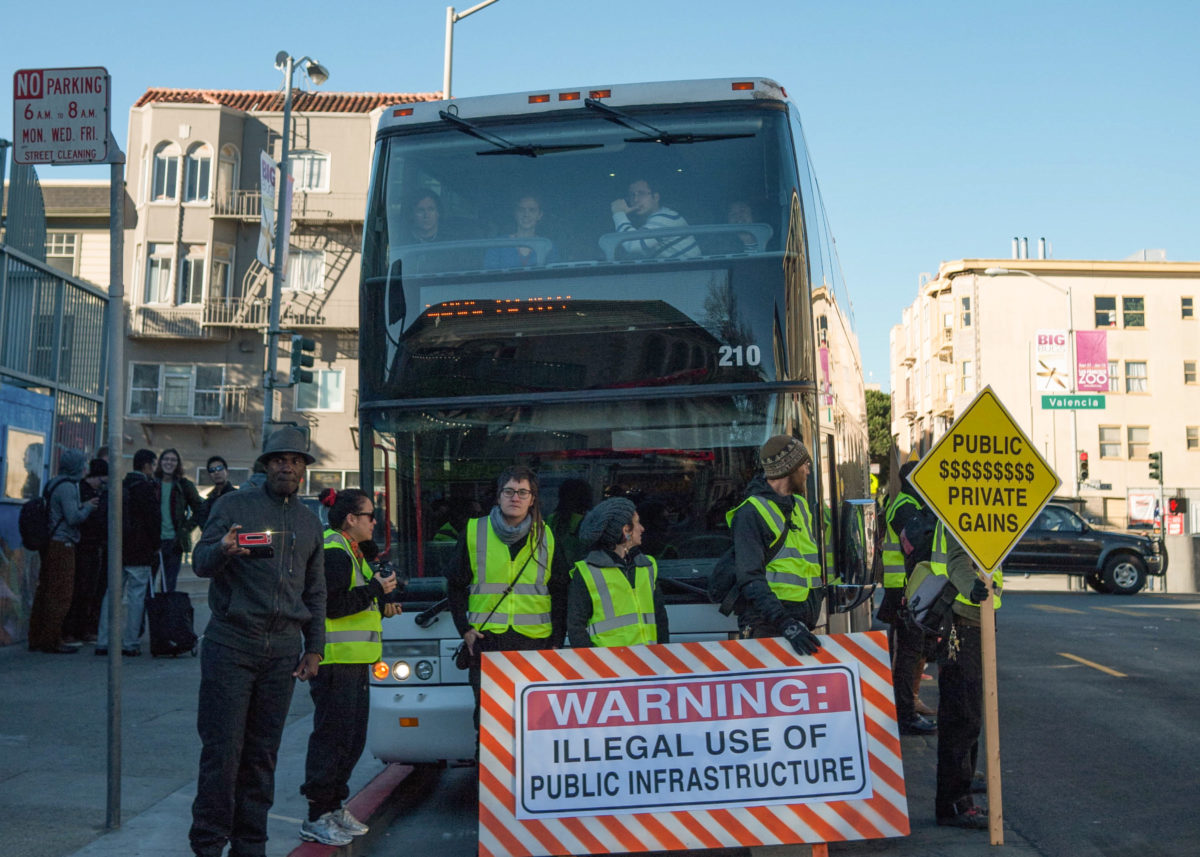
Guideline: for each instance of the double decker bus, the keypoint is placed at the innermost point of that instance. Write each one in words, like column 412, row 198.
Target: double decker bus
column 613, row 358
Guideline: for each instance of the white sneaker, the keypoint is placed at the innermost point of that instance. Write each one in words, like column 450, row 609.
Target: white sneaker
column 348, row 823
column 325, row 830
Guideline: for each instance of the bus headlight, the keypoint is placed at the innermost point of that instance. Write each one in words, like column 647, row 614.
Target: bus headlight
column 424, row 670
column 401, row 670
column 380, row 670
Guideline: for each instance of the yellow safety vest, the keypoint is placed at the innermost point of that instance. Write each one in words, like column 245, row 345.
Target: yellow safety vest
column 357, row 638
column 831, row 572
column 893, row 555
column 797, row 567
column 622, row 615
column 493, row 569
column 939, row 564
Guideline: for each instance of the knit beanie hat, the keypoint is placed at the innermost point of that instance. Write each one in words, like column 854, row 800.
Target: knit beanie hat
column 781, row 455
column 604, row 523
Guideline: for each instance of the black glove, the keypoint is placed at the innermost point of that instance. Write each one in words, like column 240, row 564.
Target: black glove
column 889, row 608
column 979, row 591
column 804, row 641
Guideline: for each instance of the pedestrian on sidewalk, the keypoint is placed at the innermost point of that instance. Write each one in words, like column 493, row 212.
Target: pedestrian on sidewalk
column 218, row 472
column 267, row 629
column 56, row 580
column 354, row 610
column 181, row 505
column 91, row 559
column 141, row 525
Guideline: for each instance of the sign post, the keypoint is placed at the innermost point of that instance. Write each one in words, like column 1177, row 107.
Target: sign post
column 986, row 482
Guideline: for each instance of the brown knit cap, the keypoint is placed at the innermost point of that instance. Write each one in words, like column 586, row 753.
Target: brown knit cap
column 781, row 455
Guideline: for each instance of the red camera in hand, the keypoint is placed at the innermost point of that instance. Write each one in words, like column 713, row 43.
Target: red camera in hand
column 259, row 544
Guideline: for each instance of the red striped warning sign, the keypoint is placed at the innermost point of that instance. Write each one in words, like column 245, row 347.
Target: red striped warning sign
column 688, row 746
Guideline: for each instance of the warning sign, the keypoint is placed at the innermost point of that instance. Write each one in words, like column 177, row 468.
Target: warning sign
column 985, row 480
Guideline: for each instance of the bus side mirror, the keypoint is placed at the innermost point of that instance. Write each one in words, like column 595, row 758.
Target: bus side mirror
column 853, row 582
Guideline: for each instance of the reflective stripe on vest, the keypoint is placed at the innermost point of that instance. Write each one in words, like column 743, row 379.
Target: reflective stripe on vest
column 494, row 569
column 622, row 615
column 797, row 567
column 893, row 554
column 357, row 638
column 939, row 563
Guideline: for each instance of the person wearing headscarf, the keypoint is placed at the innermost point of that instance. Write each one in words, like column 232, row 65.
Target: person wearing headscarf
column 56, row 581
column 614, row 599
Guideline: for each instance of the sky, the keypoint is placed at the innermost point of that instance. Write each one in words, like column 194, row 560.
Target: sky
column 938, row 130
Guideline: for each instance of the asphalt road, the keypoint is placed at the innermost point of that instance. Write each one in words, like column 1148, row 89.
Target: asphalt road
column 1098, row 755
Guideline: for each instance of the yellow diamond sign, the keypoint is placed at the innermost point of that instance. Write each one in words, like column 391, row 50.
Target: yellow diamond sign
column 985, row 480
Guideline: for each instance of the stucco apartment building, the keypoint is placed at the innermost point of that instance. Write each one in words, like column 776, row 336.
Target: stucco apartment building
column 197, row 296
column 976, row 323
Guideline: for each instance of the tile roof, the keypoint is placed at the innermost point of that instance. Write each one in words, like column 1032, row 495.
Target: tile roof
column 272, row 101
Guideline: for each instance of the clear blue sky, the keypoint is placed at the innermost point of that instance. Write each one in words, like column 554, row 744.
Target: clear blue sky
column 939, row 130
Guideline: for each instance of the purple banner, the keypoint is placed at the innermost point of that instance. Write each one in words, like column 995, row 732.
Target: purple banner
column 1091, row 361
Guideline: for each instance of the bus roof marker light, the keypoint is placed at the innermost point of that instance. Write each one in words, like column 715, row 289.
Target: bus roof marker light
column 539, row 99
column 403, row 111
column 741, row 86
column 568, row 96
column 600, row 93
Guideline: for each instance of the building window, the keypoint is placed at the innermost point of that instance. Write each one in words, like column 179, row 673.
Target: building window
column 191, row 275
column 306, row 271
column 1136, row 379
column 1187, row 309
column 222, row 269
column 1189, row 371
column 1110, row 441
column 176, row 390
column 1193, row 438
column 965, row 312
column 158, row 273
column 1133, row 312
column 1106, row 312
column 165, row 183
column 310, row 170
column 62, row 251
column 197, row 175
column 968, row 376
column 1139, row 441
column 1114, row 377
column 324, row 393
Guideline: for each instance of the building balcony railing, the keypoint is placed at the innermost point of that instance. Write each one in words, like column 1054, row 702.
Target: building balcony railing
column 945, row 344
column 908, row 360
column 247, row 205
column 297, row 310
column 171, row 322
column 227, row 405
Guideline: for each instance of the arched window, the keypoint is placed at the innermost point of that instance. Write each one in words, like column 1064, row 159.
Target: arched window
column 227, row 173
column 165, row 180
column 310, row 170
column 197, row 175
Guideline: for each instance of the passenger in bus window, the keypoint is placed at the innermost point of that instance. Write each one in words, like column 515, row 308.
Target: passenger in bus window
column 739, row 211
column 426, row 218
column 641, row 211
column 508, row 589
column 528, row 214
column 614, row 599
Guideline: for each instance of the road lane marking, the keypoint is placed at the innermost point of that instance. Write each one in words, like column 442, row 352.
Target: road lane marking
column 1050, row 608
column 1193, row 606
column 1094, row 666
column 1123, row 612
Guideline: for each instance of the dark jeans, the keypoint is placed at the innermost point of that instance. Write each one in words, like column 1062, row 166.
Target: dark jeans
column 244, row 701
column 960, row 715
column 510, row 641
column 909, row 646
column 91, row 580
column 341, row 696
column 52, row 599
column 172, row 557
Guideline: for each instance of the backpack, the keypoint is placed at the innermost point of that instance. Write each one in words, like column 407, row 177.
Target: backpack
column 33, row 521
column 722, row 580
column 928, row 597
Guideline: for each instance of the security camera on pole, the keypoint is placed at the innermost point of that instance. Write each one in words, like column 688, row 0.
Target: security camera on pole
column 318, row 74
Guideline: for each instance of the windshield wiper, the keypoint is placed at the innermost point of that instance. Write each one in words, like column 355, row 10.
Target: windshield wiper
column 506, row 147
column 649, row 133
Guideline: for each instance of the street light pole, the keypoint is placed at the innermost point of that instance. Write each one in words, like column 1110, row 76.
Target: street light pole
column 318, row 74
column 453, row 18
column 995, row 272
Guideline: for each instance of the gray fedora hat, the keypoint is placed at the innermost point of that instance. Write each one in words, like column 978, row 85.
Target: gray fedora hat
column 286, row 439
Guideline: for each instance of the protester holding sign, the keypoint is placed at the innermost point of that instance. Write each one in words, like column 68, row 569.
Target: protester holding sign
column 775, row 594
column 960, row 684
column 614, row 599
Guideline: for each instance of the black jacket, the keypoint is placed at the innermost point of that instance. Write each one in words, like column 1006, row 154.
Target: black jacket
column 142, row 520
column 93, row 532
column 579, row 599
column 213, row 496
column 185, row 509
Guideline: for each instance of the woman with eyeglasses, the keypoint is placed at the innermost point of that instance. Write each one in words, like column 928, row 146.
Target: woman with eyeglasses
column 355, row 603
column 181, row 509
column 508, row 590
column 218, row 474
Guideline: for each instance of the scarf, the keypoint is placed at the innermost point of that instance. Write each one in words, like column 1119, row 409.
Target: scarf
column 508, row 534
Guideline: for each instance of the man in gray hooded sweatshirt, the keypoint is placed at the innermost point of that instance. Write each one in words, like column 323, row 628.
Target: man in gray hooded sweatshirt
column 56, row 581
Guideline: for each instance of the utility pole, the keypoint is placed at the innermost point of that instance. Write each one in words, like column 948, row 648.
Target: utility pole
column 453, row 18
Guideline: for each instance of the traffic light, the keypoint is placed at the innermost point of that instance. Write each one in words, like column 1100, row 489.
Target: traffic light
column 1083, row 468
column 1156, row 467
column 1177, row 505
column 302, row 359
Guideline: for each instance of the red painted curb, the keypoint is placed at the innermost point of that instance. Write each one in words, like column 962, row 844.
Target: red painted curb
column 362, row 805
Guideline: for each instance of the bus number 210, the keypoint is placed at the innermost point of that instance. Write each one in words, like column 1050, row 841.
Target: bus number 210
column 736, row 355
